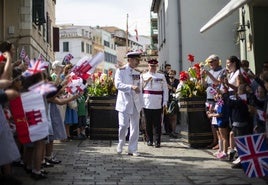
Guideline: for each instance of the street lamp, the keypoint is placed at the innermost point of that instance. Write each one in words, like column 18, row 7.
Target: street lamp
column 242, row 28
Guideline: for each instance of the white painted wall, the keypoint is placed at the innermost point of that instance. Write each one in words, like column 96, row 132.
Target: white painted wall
column 220, row 39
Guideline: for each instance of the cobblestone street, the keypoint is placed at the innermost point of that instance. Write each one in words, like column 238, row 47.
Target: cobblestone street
column 95, row 162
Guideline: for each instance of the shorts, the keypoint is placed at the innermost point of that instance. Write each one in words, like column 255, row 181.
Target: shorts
column 82, row 121
column 215, row 126
column 223, row 125
column 240, row 131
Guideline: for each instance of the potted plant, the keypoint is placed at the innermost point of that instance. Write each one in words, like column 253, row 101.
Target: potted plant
column 102, row 113
column 195, row 127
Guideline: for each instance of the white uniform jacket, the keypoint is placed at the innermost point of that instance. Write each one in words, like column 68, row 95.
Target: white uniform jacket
column 154, row 90
column 125, row 77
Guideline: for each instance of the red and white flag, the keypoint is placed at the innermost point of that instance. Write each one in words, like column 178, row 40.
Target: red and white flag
column 29, row 114
column 75, row 84
column 87, row 66
column 2, row 58
column 246, row 76
column 137, row 35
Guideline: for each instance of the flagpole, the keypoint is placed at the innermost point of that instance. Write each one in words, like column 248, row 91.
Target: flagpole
column 127, row 35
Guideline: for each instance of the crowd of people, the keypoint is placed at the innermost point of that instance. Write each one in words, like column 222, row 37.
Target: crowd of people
column 62, row 109
column 236, row 101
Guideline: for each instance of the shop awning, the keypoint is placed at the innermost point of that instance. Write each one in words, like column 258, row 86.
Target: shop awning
column 223, row 13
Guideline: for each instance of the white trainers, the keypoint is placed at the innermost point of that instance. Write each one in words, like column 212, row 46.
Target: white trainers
column 119, row 150
column 135, row 154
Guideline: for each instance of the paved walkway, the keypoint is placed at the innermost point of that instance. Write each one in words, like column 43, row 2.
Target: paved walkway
column 95, row 162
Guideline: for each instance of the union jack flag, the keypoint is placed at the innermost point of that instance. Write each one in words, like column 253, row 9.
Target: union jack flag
column 36, row 66
column 42, row 88
column 22, row 53
column 67, row 58
column 27, row 60
column 253, row 152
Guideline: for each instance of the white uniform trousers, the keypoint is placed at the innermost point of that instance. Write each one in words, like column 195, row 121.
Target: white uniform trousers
column 125, row 121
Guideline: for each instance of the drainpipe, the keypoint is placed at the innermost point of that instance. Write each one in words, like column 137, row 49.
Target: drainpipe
column 180, row 35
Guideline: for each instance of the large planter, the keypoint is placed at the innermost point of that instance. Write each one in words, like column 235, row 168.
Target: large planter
column 103, row 118
column 195, row 127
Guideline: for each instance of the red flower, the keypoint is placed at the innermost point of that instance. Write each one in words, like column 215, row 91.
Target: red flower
column 196, row 67
column 110, row 73
column 99, row 74
column 2, row 58
column 184, row 76
column 191, row 58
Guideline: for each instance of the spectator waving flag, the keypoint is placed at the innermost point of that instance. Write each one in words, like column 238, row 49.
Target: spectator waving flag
column 253, row 152
column 67, row 59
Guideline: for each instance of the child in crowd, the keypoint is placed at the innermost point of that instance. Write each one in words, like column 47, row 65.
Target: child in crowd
column 258, row 100
column 220, row 118
column 82, row 120
column 240, row 116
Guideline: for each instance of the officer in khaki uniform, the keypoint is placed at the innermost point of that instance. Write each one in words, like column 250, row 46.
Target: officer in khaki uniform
column 129, row 103
column 155, row 97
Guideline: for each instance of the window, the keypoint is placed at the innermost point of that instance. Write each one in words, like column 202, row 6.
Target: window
column 38, row 12
column 106, row 43
column 110, row 58
column 82, row 47
column 87, row 48
column 90, row 49
column 56, row 40
column 65, row 46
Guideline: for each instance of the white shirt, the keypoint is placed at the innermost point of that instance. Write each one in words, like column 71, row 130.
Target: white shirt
column 155, row 90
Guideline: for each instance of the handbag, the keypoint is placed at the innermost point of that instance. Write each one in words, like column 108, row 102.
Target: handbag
column 72, row 104
column 172, row 108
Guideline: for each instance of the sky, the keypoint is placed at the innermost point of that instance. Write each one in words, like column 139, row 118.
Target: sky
column 106, row 13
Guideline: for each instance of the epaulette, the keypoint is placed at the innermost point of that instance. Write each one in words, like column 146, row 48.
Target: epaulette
column 122, row 68
column 161, row 72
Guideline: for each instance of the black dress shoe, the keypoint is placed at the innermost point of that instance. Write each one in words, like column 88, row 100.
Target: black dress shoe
column 27, row 170
column 53, row 161
column 157, row 145
column 47, row 165
column 149, row 143
column 44, row 171
column 39, row 176
column 237, row 166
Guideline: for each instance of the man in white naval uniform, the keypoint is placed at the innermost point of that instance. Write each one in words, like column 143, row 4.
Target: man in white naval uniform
column 129, row 103
column 155, row 97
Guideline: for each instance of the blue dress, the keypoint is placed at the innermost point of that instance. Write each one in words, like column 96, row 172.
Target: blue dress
column 59, row 132
column 8, row 147
column 71, row 116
